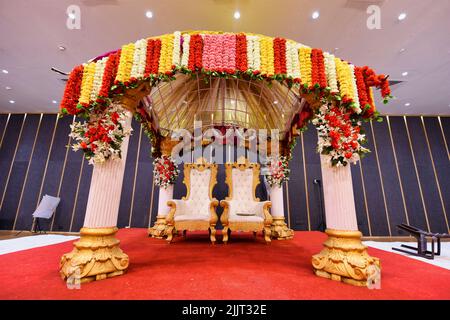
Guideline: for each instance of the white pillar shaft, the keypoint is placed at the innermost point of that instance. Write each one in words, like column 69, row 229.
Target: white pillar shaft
column 106, row 188
column 276, row 197
column 164, row 196
column 338, row 196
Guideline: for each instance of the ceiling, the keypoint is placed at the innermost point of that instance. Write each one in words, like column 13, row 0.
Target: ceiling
column 30, row 36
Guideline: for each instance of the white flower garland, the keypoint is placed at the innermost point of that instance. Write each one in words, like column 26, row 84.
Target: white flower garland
column 186, row 46
column 139, row 59
column 98, row 78
column 357, row 106
column 330, row 70
column 176, row 48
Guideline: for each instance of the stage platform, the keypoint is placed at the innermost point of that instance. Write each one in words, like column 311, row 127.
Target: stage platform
column 192, row 268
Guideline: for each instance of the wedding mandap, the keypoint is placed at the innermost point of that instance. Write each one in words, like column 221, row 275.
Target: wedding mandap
column 196, row 93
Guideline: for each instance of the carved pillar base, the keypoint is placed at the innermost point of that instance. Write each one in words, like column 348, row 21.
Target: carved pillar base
column 159, row 229
column 345, row 259
column 96, row 256
column 280, row 230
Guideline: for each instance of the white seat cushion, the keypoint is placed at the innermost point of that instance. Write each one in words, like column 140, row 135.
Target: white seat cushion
column 235, row 218
column 191, row 217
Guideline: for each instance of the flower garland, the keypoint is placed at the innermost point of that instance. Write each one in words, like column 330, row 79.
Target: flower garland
column 339, row 135
column 72, row 92
column 101, row 137
column 165, row 171
column 278, row 171
column 91, row 87
column 305, row 66
column 241, row 52
column 344, row 77
column 318, row 76
column 330, row 70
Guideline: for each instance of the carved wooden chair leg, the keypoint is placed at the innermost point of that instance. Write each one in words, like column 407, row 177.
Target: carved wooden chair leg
column 254, row 234
column 170, row 233
column 212, row 234
column 225, row 234
column 184, row 233
column 267, row 233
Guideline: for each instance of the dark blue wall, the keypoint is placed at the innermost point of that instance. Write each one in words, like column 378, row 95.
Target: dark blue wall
column 406, row 177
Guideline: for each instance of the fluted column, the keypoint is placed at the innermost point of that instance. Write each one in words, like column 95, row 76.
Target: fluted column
column 97, row 254
column 158, row 230
column 344, row 257
column 279, row 228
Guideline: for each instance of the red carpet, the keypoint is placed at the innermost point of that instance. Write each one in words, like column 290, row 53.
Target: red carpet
column 194, row 269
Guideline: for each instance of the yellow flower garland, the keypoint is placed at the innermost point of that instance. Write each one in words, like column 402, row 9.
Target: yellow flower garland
column 125, row 63
column 165, row 58
column 344, row 77
column 305, row 65
column 267, row 56
column 87, row 83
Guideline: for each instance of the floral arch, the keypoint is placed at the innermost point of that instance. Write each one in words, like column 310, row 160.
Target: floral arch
column 337, row 96
column 152, row 77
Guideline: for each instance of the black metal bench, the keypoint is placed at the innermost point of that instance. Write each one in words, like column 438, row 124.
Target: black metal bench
column 422, row 242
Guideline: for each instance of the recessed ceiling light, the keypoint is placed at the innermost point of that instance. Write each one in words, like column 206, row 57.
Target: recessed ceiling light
column 402, row 50
column 54, row 101
column 12, row 101
column 402, row 16
column 237, row 15
column 315, row 15
column 405, row 73
column 407, row 104
column 8, row 88
column 61, row 48
column 5, row 71
column 275, row 102
column 72, row 15
column 149, row 14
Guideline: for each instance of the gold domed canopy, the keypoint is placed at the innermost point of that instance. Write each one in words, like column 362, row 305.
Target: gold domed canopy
column 220, row 102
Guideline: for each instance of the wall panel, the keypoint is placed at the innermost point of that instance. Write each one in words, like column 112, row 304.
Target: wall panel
column 386, row 184
column 18, row 171
column 434, row 209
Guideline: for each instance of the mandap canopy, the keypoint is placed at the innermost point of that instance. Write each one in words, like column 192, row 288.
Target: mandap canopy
column 238, row 80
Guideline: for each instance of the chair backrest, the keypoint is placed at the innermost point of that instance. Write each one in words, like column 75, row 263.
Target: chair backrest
column 200, row 179
column 242, row 178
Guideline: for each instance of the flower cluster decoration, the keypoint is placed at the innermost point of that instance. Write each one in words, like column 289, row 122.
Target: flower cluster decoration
column 329, row 79
column 101, row 137
column 340, row 134
column 277, row 171
column 165, row 171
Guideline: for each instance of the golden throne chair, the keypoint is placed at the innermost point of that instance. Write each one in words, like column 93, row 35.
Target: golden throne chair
column 196, row 210
column 243, row 211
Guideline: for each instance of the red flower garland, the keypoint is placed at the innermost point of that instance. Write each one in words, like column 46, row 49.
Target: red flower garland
column 155, row 57
column 149, row 57
column 241, row 52
column 361, row 85
column 195, row 52
column 279, row 52
column 318, row 75
column 72, row 92
column 109, row 74
column 379, row 81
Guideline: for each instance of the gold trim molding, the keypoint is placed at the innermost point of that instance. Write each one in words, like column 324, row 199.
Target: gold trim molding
column 171, row 226
column 96, row 256
column 265, row 226
column 344, row 258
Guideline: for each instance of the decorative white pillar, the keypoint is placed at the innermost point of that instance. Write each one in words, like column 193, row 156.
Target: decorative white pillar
column 279, row 228
column 344, row 257
column 97, row 254
column 159, row 229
